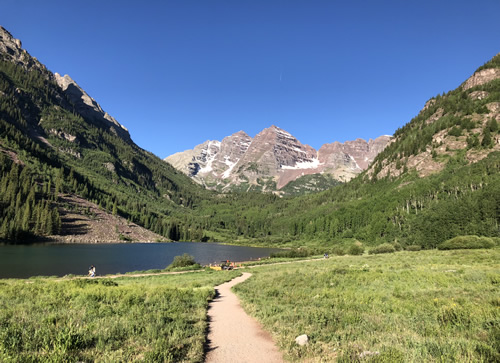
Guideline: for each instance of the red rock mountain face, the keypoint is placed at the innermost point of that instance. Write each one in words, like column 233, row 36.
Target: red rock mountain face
column 272, row 159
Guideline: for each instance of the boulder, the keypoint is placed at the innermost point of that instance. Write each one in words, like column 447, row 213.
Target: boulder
column 302, row 339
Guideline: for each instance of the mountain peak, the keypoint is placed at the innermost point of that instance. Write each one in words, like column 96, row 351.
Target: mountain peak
column 459, row 125
column 11, row 50
column 88, row 107
column 275, row 132
column 240, row 133
column 7, row 39
column 272, row 159
column 277, row 129
column 65, row 81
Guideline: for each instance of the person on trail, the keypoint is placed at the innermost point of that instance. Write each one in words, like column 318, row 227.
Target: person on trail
column 92, row 271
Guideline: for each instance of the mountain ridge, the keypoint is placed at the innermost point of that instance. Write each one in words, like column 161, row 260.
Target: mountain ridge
column 447, row 125
column 51, row 150
column 272, row 159
column 55, row 134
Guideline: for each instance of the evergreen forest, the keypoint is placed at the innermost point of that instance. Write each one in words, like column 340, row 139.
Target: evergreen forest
column 48, row 148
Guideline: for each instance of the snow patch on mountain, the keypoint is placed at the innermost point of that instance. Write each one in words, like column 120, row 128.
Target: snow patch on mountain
column 299, row 150
column 209, row 155
column 312, row 164
column 273, row 154
column 231, row 165
column 355, row 162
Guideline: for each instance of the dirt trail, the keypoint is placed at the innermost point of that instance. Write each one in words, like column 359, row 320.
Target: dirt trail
column 233, row 335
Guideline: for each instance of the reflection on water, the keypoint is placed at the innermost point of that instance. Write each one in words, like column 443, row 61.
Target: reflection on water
column 62, row 259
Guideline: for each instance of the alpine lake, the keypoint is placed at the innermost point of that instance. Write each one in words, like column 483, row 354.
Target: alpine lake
column 24, row 261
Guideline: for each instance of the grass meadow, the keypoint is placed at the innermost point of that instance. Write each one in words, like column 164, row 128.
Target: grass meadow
column 153, row 318
column 430, row 306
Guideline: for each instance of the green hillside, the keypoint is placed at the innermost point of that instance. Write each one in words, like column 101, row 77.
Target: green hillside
column 437, row 180
column 47, row 147
column 309, row 184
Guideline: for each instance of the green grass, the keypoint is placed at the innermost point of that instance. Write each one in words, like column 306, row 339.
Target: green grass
column 407, row 306
column 278, row 260
column 428, row 306
column 154, row 318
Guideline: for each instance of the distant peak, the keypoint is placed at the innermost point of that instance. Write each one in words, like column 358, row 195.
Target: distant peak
column 276, row 129
column 240, row 133
column 7, row 37
column 64, row 81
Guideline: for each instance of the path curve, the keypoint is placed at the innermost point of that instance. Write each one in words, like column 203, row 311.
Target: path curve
column 233, row 335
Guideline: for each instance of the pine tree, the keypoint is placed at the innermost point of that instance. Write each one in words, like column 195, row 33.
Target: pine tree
column 48, row 188
column 19, row 201
column 56, row 222
column 4, row 229
column 59, row 183
column 493, row 125
column 26, row 217
column 486, row 142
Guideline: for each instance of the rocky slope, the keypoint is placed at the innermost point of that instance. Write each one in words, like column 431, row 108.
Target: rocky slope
column 85, row 222
column 56, row 132
column 11, row 50
column 462, row 124
column 88, row 107
column 272, row 159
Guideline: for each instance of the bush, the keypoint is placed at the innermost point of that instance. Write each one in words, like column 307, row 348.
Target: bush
column 467, row 242
column 339, row 251
column 182, row 261
column 294, row 253
column 356, row 249
column 414, row 248
column 397, row 246
column 348, row 234
column 455, row 131
column 383, row 248
column 124, row 238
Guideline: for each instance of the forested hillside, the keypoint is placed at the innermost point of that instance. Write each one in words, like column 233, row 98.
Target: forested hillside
column 47, row 148
column 438, row 179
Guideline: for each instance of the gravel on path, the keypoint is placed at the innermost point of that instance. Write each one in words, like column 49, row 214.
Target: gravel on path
column 233, row 335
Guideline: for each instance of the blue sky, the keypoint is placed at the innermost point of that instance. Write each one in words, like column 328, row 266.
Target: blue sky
column 177, row 73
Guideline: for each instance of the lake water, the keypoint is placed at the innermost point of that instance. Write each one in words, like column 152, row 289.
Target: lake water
column 17, row 261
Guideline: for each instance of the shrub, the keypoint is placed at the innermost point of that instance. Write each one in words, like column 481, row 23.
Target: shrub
column 397, row 246
column 383, row 248
column 294, row 253
column 467, row 242
column 124, row 238
column 339, row 251
column 455, row 131
column 356, row 249
column 108, row 282
column 182, row 261
column 414, row 248
column 348, row 234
